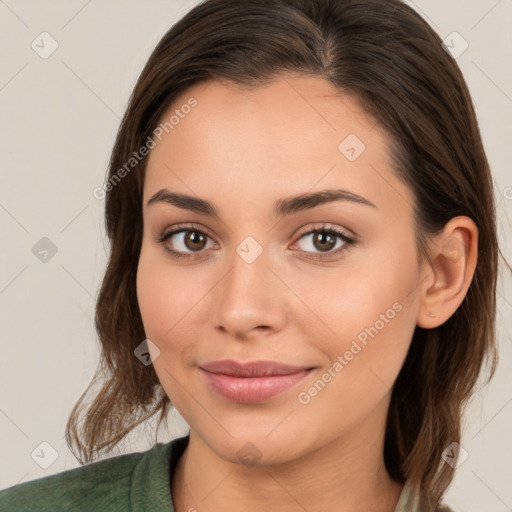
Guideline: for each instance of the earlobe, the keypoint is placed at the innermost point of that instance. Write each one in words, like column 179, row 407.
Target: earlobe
column 453, row 262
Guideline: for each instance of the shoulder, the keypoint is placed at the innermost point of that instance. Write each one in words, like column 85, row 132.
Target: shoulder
column 101, row 485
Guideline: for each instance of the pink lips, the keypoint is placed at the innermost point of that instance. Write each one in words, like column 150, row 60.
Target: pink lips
column 251, row 382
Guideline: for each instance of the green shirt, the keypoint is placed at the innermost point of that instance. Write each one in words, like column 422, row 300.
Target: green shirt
column 136, row 482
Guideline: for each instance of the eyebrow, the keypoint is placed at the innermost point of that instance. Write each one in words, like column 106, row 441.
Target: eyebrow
column 282, row 207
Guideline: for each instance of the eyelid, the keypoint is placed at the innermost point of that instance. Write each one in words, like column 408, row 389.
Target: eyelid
column 185, row 226
column 326, row 226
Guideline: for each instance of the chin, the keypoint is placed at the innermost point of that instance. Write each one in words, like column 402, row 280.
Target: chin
column 258, row 445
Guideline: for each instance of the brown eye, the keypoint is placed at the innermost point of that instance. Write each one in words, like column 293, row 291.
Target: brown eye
column 195, row 240
column 324, row 241
column 185, row 242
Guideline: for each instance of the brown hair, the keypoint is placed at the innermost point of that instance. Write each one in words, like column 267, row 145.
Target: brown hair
column 387, row 56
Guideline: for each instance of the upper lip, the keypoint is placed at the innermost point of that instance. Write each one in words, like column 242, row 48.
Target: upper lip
column 251, row 368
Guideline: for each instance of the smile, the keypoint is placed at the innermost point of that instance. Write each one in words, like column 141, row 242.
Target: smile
column 251, row 382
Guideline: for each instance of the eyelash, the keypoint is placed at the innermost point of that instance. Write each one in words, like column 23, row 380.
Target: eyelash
column 349, row 241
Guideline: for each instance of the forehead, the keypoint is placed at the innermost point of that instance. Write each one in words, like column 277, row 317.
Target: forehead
column 277, row 139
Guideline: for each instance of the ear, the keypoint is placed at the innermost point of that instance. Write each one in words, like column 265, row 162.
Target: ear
column 453, row 258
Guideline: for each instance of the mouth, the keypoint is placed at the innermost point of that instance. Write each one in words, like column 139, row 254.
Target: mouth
column 251, row 382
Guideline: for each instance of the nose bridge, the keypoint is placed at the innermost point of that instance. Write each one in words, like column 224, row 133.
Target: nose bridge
column 249, row 294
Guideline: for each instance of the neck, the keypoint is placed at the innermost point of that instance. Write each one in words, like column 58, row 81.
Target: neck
column 347, row 474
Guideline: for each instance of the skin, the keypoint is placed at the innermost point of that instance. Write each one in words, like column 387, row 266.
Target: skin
column 242, row 151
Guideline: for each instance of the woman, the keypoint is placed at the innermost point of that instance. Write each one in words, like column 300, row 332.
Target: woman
column 303, row 262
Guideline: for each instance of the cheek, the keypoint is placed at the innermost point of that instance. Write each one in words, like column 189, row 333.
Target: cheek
column 166, row 300
column 365, row 314
column 373, row 320
column 166, row 296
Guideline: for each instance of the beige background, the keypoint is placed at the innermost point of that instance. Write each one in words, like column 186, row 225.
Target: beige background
column 59, row 119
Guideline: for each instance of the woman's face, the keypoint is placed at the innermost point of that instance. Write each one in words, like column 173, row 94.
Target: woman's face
column 254, row 283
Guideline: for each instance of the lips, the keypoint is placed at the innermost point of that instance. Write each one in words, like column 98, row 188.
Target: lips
column 250, row 369
column 253, row 381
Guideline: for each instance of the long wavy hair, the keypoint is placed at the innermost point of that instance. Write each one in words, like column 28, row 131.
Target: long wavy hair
column 385, row 54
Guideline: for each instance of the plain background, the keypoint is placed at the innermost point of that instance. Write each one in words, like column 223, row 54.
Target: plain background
column 59, row 119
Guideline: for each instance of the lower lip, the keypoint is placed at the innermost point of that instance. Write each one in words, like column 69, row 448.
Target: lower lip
column 252, row 389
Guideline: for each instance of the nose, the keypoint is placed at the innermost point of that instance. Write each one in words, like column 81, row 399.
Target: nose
column 250, row 300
